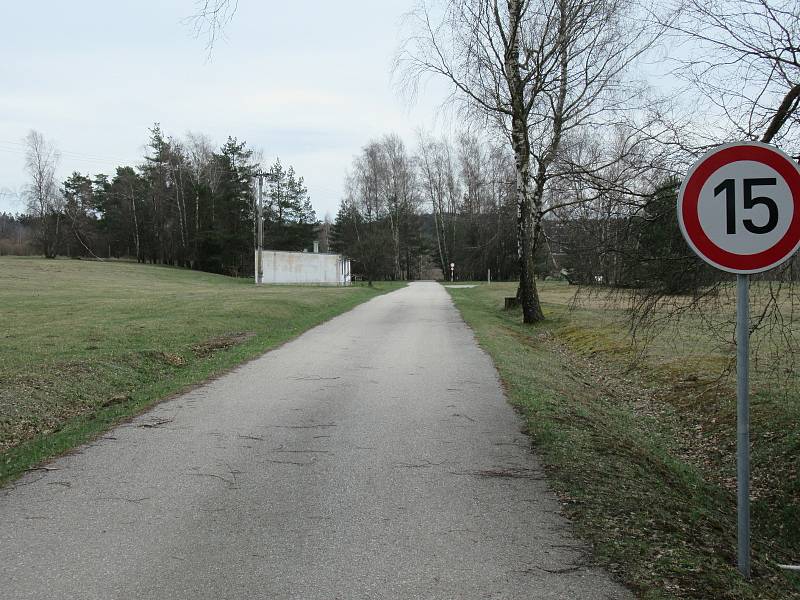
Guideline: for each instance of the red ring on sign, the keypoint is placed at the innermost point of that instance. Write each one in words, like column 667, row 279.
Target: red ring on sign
column 691, row 199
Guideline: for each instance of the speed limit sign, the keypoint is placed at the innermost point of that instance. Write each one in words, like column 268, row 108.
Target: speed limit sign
column 739, row 207
column 739, row 210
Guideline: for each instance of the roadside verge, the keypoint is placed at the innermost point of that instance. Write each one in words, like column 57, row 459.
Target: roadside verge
column 614, row 455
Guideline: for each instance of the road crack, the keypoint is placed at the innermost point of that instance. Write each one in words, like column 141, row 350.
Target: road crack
column 122, row 499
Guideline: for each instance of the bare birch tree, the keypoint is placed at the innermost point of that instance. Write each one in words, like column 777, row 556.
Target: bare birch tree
column 398, row 191
column 537, row 69
column 439, row 186
column 377, row 224
column 204, row 171
column 45, row 202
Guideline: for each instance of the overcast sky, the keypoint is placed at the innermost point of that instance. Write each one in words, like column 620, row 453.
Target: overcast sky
column 309, row 82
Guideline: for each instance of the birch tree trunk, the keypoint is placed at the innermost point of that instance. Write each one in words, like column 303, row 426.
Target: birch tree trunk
column 527, row 294
column 139, row 257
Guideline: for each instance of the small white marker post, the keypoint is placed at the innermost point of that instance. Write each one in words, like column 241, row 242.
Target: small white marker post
column 452, row 267
column 739, row 210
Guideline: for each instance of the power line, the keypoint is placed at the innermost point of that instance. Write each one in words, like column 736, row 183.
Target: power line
column 74, row 153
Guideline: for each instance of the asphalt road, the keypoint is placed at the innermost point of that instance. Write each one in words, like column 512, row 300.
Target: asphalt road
column 373, row 457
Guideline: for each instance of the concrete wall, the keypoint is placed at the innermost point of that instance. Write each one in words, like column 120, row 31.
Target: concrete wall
column 303, row 267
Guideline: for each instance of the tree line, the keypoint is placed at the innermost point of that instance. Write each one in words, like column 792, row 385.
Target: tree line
column 186, row 204
column 410, row 215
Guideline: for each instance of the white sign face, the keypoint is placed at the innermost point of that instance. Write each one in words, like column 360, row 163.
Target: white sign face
column 452, row 265
column 743, row 229
column 739, row 207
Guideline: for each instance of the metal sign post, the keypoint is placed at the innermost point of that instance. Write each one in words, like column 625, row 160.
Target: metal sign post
column 743, row 422
column 739, row 210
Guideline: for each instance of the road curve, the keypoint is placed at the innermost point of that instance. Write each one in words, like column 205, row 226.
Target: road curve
column 373, row 457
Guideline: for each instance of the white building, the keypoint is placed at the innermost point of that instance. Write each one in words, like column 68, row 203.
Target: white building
column 302, row 267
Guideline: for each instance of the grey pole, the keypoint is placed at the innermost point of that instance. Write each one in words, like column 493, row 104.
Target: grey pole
column 255, row 233
column 260, row 266
column 743, row 422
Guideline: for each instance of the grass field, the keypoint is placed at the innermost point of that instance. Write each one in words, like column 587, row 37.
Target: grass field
column 640, row 443
column 85, row 345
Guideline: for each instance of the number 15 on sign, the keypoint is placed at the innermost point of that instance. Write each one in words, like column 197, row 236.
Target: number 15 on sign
column 739, row 210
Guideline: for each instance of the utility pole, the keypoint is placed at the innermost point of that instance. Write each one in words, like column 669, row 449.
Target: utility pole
column 260, row 225
column 259, row 264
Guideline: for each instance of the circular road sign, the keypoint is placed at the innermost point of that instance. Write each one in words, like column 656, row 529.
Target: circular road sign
column 739, row 207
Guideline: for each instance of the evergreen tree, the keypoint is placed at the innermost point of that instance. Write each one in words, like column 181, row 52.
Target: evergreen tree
column 80, row 210
column 290, row 219
column 661, row 259
column 232, row 227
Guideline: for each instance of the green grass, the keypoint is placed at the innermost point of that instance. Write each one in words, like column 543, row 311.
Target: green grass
column 85, row 345
column 641, row 451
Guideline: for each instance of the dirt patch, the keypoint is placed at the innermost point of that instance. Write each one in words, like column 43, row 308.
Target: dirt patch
column 116, row 399
column 211, row 345
column 171, row 359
